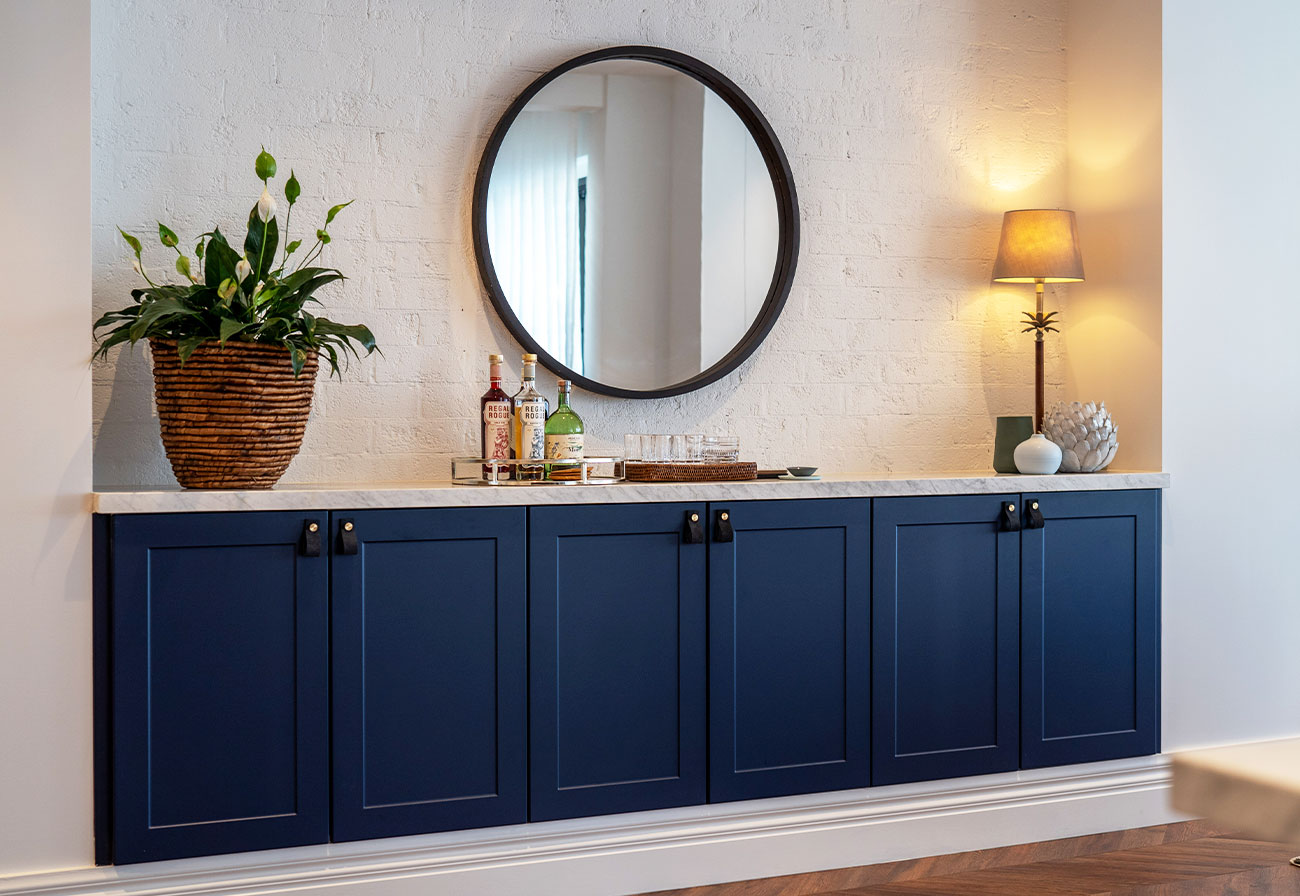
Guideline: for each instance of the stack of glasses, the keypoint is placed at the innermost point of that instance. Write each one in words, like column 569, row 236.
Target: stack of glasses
column 679, row 449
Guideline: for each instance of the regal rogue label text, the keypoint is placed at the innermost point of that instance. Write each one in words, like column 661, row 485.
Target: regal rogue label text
column 532, row 431
column 496, row 428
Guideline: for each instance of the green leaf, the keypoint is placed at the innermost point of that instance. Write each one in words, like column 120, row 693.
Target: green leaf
column 292, row 248
column 130, row 241
column 166, row 236
column 183, row 267
column 227, row 289
column 221, row 260
column 198, row 248
column 265, row 165
column 186, row 346
column 154, row 312
column 323, row 237
column 332, row 353
column 115, row 338
column 292, row 190
column 329, row 216
column 260, row 232
column 231, row 327
column 297, row 357
column 359, row 332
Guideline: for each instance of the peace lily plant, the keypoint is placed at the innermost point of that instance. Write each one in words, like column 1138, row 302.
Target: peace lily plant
column 246, row 297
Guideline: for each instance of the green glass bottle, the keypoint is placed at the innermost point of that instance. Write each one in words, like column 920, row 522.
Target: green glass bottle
column 563, row 438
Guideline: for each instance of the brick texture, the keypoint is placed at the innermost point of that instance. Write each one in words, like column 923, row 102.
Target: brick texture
column 910, row 126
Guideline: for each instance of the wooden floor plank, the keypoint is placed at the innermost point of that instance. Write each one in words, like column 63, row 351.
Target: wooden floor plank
column 1185, row 858
column 1216, row 859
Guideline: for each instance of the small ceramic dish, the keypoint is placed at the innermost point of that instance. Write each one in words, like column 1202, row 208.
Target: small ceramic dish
column 802, row 472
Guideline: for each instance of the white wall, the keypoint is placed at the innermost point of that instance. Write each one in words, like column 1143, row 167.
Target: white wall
column 910, row 128
column 1112, row 330
column 633, row 201
column 740, row 232
column 1231, row 369
column 45, row 386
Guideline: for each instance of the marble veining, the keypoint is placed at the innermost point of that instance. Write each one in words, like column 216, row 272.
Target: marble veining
column 363, row 496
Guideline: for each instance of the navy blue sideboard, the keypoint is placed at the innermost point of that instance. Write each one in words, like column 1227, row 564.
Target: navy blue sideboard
column 276, row 678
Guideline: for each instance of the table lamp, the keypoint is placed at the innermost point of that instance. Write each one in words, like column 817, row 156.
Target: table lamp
column 1038, row 245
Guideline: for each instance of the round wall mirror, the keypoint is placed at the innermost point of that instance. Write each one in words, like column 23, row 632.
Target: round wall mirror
column 635, row 222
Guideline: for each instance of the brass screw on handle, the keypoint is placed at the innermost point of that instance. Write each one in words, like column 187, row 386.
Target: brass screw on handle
column 1035, row 505
column 695, row 517
column 1011, row 507
column 312, row 527
column 725, row 516
column 347, row 527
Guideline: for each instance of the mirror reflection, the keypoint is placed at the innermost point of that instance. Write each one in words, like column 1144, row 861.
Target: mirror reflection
column 632, row 223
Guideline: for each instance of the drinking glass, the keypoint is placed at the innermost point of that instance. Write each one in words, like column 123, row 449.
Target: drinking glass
column 721, row 449
column 632, row 446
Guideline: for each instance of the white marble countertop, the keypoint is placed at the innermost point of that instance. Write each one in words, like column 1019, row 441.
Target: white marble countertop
column 1255, row 787
column 360, row 496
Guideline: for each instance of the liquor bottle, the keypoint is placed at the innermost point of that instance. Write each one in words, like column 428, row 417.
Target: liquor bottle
column 495, row 406
column 563, row 437
column 529, row 408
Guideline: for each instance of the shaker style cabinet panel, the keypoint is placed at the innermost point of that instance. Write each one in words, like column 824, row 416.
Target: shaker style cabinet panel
column 429, row 677
column 1090, row 628
column 789, row 663
column 945, row 614
column 220, row 725
column 617, row 659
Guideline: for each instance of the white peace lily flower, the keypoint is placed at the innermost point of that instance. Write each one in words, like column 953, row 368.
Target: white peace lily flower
column 266, row 206
column 242, row 270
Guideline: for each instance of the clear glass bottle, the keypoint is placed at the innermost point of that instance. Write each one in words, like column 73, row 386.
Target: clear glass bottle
column 495, row 428
column 529, row 409
column 563, row 437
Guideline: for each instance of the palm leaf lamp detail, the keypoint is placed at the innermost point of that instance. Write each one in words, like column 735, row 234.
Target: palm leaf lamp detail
column 1038, row 246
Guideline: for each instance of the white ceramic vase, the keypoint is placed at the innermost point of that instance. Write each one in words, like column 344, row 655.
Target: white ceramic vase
column 1037, row 455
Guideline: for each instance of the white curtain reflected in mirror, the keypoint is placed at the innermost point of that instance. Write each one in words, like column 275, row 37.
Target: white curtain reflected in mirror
column 532, row 221
column 632, row 223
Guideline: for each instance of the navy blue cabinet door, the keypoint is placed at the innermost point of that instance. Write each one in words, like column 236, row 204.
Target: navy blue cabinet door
column 945, row 607
column 220, row 700
column 429, row 671
column 617, row 656
column 789, row 641
column 1090, row 628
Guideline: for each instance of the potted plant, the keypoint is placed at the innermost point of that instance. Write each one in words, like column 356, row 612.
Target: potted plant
column 235, row 350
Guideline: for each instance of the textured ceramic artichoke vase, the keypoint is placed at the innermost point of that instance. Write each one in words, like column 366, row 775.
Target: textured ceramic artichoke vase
column 1085, row 433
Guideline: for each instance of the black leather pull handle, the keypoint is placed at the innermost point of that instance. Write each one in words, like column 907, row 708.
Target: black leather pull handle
column 1010, row 517
column 1033, row 516
column 311, row 540
column 694, row 533
column 347, row 537
column 722, row 530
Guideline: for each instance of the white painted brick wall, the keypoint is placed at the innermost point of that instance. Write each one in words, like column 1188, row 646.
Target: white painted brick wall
column 910, row 126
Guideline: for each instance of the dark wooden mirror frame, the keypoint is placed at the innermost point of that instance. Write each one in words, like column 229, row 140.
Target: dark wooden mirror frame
column 787, row 208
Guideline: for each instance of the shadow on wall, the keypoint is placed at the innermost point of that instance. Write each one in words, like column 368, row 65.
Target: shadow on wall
column 1008, row 142
column 129, row 449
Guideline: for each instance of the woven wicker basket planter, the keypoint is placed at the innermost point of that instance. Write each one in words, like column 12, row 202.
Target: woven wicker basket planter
column 232, row 416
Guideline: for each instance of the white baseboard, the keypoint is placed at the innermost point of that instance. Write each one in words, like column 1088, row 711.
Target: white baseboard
column 669, row 848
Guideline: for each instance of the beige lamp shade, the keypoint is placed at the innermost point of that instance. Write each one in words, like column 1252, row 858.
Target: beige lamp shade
column 1038, row 244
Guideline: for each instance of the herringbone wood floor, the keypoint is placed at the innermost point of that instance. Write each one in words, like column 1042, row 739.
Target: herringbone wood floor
column 1189, row 859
